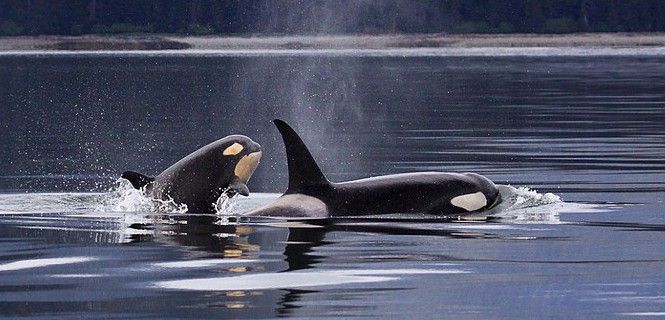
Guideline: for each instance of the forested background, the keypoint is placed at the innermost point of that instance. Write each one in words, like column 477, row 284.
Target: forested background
column 75, row 17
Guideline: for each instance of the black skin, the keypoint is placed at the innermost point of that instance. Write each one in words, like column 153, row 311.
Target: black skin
column 421, row 192
column 310, row 194
column 201, row 177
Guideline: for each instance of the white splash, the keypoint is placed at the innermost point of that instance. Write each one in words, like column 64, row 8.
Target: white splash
column 523, row 205
column 124, row 198
column 225, row 205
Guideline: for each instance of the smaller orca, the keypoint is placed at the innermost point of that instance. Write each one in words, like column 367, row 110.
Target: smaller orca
column 310, row 194
column 199, row 179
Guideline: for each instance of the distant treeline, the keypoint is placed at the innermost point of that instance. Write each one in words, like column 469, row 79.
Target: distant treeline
column 75, row 17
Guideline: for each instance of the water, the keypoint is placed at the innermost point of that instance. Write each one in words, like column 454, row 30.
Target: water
column 576, row 142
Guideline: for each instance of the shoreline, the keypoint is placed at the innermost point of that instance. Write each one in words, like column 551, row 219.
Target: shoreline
column 158, row 42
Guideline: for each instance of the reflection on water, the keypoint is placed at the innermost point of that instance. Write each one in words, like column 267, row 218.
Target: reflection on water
column 578, row 139
column 295, row 279
column 38, row 263
column 352, row 265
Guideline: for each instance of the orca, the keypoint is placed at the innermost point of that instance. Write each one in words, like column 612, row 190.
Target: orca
column 199, row 179
column 311, row 194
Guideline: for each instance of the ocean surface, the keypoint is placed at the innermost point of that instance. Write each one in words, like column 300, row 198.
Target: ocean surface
column 576, row 140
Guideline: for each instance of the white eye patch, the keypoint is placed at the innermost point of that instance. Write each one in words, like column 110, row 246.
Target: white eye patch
column 470, row 202
column 233, row 149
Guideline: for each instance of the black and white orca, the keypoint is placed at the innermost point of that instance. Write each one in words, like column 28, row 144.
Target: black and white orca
column 199, row 179
column 310, row 194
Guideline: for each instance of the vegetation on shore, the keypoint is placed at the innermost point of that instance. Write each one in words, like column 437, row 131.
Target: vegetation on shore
column 223, row 17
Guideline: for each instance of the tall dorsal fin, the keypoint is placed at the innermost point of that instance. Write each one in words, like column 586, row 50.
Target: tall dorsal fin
column 303, row 170
column 137, row 180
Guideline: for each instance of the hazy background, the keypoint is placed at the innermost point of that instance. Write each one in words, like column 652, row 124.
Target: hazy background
column 199, row 17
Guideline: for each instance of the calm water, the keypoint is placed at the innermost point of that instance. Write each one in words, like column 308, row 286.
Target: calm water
column 585, row 135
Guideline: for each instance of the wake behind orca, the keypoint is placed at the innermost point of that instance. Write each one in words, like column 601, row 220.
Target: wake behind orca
column 311, row 194
column 199, row 179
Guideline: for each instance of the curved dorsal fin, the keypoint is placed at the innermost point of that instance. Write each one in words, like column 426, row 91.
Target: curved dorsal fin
column 303, row 170
column 138, row 180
